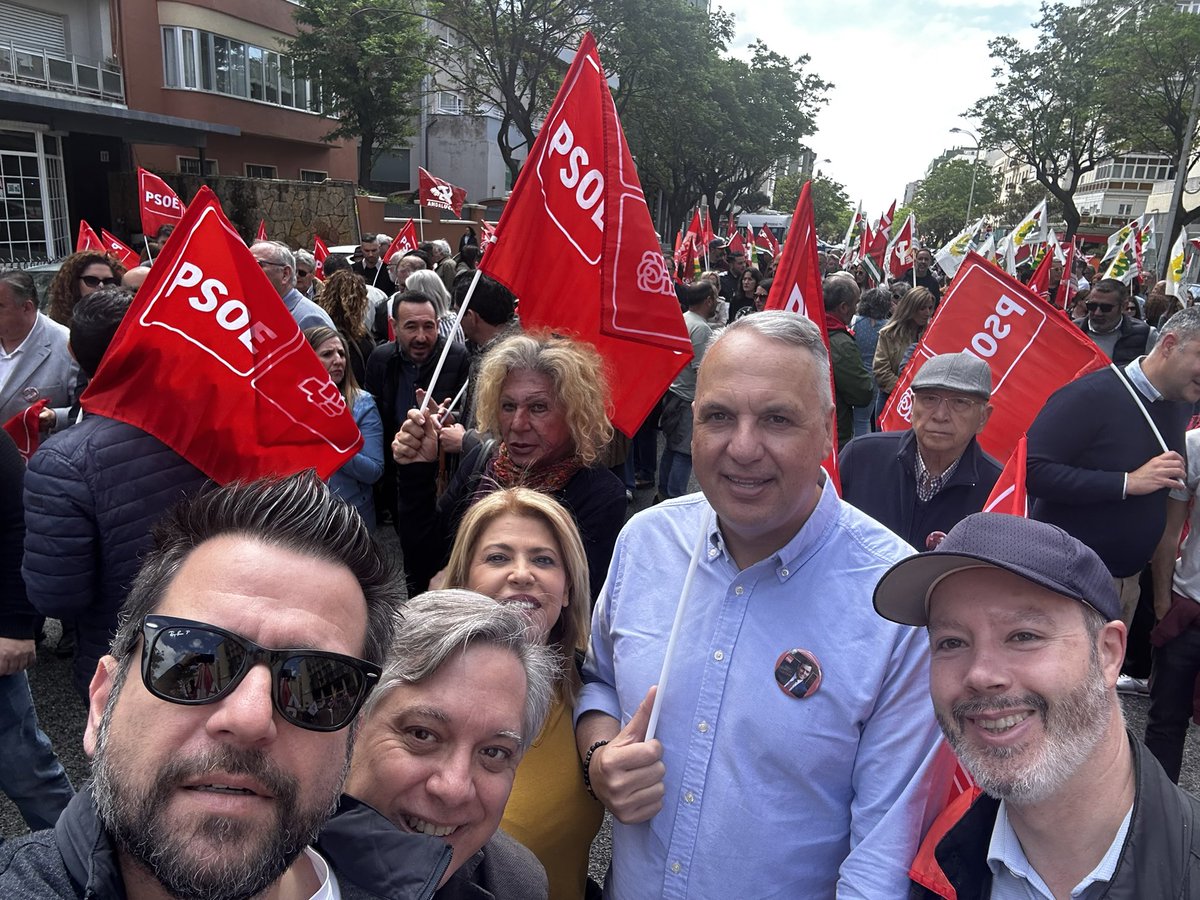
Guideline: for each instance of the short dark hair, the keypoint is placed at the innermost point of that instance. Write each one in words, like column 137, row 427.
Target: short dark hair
column 692, row 295
column 875, row 303
column 334, row 262
column 411, row 297
column 423, row 256
column 492, row 301
column 1112, row 286
column 22, row 285
column 94, row 321
column 839, row 289
column 470, row 255
column 296, row 513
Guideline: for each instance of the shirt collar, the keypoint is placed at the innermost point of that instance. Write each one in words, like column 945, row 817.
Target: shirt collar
column 1004, row 850
column 1141, row 382
column 788, row 559
column 27, row 342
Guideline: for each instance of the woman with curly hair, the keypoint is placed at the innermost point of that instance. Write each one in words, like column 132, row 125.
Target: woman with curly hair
column 79, row 275
column 907, row 324
column 344, row 298
column 542, row 412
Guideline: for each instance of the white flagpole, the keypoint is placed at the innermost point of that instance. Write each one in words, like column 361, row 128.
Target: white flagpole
column 1141, row 406
column 446, row 348
column 453, row 403
column 149, row 255
column 676, row 626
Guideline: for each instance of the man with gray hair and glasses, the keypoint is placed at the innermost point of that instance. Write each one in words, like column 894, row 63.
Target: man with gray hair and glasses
column 463, row 693
column 794, row 719
column 218, row 752
column 34, row 361
column 279, row 265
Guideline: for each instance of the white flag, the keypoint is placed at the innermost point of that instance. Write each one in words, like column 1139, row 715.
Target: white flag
column 951, row 256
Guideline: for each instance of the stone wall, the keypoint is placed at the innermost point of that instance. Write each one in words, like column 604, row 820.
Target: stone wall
column 294, row 211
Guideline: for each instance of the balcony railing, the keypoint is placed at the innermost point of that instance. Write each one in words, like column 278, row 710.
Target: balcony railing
column 63, row 73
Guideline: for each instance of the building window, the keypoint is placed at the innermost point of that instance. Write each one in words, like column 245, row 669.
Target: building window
column 254, row 171
column 200, row 61
column 190, row 165
column 449, row 103
column 1124, row 209
column 312, row 176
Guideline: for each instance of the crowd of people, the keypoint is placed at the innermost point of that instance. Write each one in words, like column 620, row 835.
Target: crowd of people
column 758, row 680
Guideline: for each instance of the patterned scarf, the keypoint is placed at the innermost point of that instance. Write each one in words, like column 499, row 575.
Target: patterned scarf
column 544, row 479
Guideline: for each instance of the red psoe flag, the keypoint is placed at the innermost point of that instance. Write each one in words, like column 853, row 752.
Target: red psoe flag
column 261, row 234
column 158, row 203
column 1009, row 494
column 797, row 289
column 403, row 242
column 576, row 245
column 23, row 428
column 901, row 252
column 88, row 239
column 237, row 390
column 1032, row 350
column 320, row 254
column 440, row 194
column 114, row 246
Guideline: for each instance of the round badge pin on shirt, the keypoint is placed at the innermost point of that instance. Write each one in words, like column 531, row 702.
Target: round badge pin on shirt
column 798, row 673
column 30, row 394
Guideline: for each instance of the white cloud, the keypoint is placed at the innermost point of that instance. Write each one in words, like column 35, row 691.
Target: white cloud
column 903, row 74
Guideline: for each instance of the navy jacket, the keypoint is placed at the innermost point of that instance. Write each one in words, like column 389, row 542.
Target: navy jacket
column 878, row 476
column 92, row 494
column 1087, row 436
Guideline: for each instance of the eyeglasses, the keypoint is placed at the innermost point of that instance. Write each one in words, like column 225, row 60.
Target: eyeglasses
column 263, row 263
column 192, row 663
column 760, row 295
column 302, row 273
column 94, row 282
column 1100, row 307
column 960, row 406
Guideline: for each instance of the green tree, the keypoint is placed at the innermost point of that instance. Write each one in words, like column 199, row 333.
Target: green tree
column 941, row 201
column 1049, row 109
column 1153, row 61
column 368, row 56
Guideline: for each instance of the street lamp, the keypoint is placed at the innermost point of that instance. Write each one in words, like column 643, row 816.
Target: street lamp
column 974, row 169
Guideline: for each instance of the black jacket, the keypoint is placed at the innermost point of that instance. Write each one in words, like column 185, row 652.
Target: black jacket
column 18, row 620
column 1160, row 859
column 77, row 859
column 1132, row 342
column 382, row 280
column 878, row 476
column 387, row 365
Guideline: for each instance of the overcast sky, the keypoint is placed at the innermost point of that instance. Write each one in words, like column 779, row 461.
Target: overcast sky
column 903, row 74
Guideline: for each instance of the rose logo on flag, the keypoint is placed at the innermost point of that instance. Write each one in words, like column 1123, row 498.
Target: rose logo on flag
column 324, row 395
column 904, row 407
column 652, row 275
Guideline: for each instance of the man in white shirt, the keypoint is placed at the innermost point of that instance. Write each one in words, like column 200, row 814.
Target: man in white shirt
column 1026, row 642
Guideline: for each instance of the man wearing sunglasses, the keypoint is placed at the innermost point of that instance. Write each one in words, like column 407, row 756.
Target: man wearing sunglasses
column 1122, row 338
column 218, row 752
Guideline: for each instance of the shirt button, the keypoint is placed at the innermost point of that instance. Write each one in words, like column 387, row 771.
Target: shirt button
column 712, row 551
column 689, row 797
column 783, row 573
column 739, row 590
column 719, row 655
column 702, row 727
column 676, row 868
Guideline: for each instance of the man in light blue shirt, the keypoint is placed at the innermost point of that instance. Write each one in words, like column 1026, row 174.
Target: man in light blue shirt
column 1026, row 643
column 279, row 265
column 794, row 718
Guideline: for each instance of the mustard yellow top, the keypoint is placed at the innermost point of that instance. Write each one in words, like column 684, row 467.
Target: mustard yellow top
column 550, row 811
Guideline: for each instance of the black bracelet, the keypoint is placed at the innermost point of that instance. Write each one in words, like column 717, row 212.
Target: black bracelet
column 587, row 763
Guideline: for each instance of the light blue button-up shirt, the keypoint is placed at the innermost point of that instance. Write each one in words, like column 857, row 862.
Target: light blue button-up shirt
column 767, row 796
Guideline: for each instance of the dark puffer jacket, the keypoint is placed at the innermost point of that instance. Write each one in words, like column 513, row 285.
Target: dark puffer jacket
column 92, row 494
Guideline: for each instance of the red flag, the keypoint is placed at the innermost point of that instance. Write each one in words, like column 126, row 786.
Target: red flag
column 885, row 222
column 159, row 204
column 23, row 428
column 1032, row 350
column 1039, row 281
column 1070, row 286
column 320, row 254
column 440, row 194
column 407, row 240
column 88, row 239
column 576, row 244
column 237, row 390
column 488, row 233
column 797, row 289
column 901, row 252
column 766, row 240
column 736, row 245
column 1009, row 495
column 114, row 246
column 261, row 234
column 706, row 235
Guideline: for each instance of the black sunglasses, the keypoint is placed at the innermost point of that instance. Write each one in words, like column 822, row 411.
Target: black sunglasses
column 301, row 273
column 1100, row 307
column 193, row 663
column 93, row 281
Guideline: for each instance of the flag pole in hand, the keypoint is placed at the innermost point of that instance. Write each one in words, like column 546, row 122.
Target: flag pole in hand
column 446, row 348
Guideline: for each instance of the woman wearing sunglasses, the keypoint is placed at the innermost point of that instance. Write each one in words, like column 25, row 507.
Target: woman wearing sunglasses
column 522, row 549
column 80, row 274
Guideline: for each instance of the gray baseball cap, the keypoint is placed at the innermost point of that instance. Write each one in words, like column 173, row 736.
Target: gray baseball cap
column 964, row 372
column 1036, row 551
